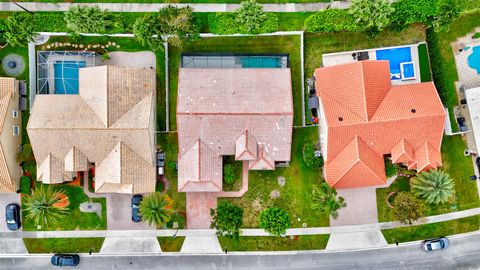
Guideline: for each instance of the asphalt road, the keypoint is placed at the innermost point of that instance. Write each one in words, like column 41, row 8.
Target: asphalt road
column 463, row 253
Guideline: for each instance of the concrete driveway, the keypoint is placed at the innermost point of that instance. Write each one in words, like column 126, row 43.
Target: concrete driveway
column 119, row 214
column 6, row 198
column 361, row 207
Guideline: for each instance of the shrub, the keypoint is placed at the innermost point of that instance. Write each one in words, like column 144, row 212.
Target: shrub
column 331, row 20
column 325, row 199
column 228, row 174
column 372, row 14
column 25, row 185
column 309, row 156
column 412, row 11
column 156, row 209
column 438, row 69
column 476, row 35
column 390, row 168
column 248, row 19
column 179, row 218
column 84, row 19
column 447, row 12
column 275, row 221
column 18, row 29
column 39, row 206
column 227, row 219
column 408, row 208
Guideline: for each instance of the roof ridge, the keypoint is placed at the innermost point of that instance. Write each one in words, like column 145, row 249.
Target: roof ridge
column 345, row 107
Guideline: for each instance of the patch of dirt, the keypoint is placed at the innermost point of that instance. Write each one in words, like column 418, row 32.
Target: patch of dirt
column 257, row 205
column 275, row 194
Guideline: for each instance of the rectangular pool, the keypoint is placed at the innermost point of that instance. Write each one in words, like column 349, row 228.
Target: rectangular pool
column 199, row 60
column 66, row 76
column 395, row 57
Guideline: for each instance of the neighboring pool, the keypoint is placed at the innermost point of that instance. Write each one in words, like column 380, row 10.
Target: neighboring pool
column 474, row 59
column 396, row 57
column 66, row 76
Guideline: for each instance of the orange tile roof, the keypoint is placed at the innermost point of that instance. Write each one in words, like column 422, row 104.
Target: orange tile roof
column 359, row 101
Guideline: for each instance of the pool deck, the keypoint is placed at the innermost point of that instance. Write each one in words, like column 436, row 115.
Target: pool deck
column 332, row 59
column 468, row 77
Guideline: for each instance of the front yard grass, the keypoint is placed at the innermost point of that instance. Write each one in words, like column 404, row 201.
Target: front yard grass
column 63, row 245
column 274, row 243
column 426, row 231
column 295, row 196
column 457, row 166
column 170, row 244
column 75, row 220
column 256, row 45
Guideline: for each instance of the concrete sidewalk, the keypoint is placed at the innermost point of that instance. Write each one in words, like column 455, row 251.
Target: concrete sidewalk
column 197, row 7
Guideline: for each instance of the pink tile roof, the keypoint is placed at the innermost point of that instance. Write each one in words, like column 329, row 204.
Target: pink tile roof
column 398, row 120
column 219, row 106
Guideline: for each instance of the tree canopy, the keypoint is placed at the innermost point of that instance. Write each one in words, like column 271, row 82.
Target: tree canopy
column 275, row 221
column 408, row 208
column 325, row 200
column 85, row 19
column 372, row 14
column 18, row 29
column 156, row 209
column 172, row 24
column 227, row 219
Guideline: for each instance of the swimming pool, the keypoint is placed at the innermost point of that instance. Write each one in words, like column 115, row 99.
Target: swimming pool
column 208, row 60
column 474, row 59
column 261, row 61
column 396, row 57
column 66, row 76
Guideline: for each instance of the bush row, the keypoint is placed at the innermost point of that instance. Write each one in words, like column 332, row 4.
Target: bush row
column 225, row 24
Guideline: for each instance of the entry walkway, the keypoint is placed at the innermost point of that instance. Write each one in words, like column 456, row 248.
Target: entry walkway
column 197, row 7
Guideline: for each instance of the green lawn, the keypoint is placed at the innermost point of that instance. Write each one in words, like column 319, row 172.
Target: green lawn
column 385, row 213
column 426, row 231
column 75, row 220
column 425, row 74
column 258, row 44
column 295, row 196
column 63, row 245
column 175, row 1
column 274, row 243
column 170, row 244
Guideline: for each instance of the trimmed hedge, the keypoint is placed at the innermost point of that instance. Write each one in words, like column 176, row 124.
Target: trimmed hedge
column 25, row 185
column 331, row 20
column 224, row 24
column 425, row 75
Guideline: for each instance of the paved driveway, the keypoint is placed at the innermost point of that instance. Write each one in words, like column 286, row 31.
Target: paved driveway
column 361, row 207
column 119, row 214
column 6, row 198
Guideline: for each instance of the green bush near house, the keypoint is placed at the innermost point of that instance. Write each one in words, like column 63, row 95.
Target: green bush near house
column 224, row 23
column 390, row 168
column 331, row 20
column 227, row 219
column 476, row 35
column 25, row 187
column 228, row 174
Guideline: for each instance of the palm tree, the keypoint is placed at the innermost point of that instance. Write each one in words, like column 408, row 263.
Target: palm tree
column 39, row 206
column 325, row 199
column 156, row 209
column 433, row 186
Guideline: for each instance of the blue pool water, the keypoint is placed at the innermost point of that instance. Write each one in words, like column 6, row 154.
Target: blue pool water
column 396, row 56
column 66, row 76
column 261, row 62
column 474, row 59
column 408, row 71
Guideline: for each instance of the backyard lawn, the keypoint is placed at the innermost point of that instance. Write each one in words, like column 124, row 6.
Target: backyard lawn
column 295, row 195
column 256, row 45
column 170, row 244
column 63, row 245
column 274, row 243
column 426, row 231
column 457, row 166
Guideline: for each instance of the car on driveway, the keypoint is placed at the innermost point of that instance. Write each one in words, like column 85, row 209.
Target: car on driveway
column 12, row 216
column 136, row 200
column 435, row 244
column 65, row 260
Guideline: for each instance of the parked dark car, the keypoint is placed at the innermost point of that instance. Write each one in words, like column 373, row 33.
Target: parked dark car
column 12, row 216
column 65, row 260
column 161, row 159
column 477, row 161
column 136, row 200
column 435, row 244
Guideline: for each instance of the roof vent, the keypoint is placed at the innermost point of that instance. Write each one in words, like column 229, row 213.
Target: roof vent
column 340, row 119
column 413, row 110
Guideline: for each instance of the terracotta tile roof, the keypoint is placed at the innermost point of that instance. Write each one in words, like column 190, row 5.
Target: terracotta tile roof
column 218, row 106
column 200, row 169
column 394, row 120
column 10, row 170
column 97, row 122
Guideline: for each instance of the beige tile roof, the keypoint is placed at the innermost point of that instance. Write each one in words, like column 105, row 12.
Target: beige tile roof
column 8, row 98
column 218, row 106
column 113, row 112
